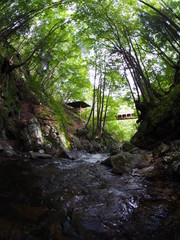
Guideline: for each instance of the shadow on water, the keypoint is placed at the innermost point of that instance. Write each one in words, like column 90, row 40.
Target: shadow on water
column 82, row 199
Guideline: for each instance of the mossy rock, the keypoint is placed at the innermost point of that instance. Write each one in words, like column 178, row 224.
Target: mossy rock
column 127, row 147
column 161, row 123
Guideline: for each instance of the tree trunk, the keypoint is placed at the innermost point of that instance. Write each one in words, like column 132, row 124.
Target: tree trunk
column 53, row 29
column 102, row 104
column 105, row 113
column 162, row 15
column 94, row 97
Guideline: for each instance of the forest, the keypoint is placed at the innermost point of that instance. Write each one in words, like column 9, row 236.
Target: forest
column 109, row 53
column 89, row 119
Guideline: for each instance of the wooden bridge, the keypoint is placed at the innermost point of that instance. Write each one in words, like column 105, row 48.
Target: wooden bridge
column 125, row 116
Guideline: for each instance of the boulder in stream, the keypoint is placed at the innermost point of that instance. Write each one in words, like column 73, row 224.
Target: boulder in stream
column 62, row 152
column 127, row 147
column 9, row 151
column 35, row 155
column 125, row 162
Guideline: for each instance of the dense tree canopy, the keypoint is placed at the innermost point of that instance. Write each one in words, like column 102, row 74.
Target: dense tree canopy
column 65, row 44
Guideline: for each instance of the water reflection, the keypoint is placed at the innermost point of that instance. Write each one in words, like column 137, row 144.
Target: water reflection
column 83, row 199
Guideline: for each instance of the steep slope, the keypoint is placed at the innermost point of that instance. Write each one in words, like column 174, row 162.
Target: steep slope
column 160, row 123
column 33, row 121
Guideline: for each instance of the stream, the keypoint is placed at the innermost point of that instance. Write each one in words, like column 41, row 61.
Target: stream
column 61, row 199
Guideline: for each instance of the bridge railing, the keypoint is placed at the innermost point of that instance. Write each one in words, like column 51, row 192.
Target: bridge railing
column 125, row 116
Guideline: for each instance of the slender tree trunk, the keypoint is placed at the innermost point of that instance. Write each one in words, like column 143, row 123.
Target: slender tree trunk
column 106, row 108
column 133, row 77
column 172, row 39
column 90, row 115
column 99, row 90
column 137, row 78
column 177, row 73
column 27, row 17
column 131, row 92
column 158, row 82
column 170, row 9
column 140, row 71
column 53, row 29
column 102, row 104
column 94, row 97
column 49, row 76
column 162, row 15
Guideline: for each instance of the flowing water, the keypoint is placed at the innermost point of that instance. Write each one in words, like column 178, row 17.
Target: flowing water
column 82, row 199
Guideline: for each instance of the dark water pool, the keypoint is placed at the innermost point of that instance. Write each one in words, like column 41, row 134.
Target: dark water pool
column 82, row 199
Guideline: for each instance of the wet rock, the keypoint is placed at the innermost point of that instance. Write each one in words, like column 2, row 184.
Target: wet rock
column 35, row 155
column 62, row 152
column 9, row 151
column 35, row 133
column 107, row 162
column 176, row 168
column 35, row 130
column 82, row 132
column 32, row 135
column 53, row 130
column 136, row 150
column 159, row 166
column 58, row 140
column 1, row 148
column 127, row 147
column 76, row 143
column 163, row 148
column 104, row 149
column 39, row 142
column 3, row 133
column 121, row 164
column 46, row 130
column 49, row 149
column 146, row 171
column 41, row 151
column 96, row 146
column 89, row 136
column 175, row 145
column 75, row 154
column 53, row 135
column 86, row 145
column 27, row 140
column 148, row 156
column 33, row 120
column 115, row 148
column 125, row 162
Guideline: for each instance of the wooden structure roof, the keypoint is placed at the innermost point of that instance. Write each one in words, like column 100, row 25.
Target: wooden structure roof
column 78, row 104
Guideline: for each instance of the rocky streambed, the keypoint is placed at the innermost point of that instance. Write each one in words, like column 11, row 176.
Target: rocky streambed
column 82, row 199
